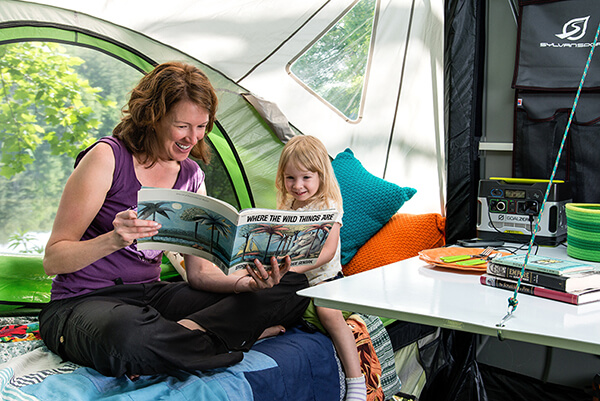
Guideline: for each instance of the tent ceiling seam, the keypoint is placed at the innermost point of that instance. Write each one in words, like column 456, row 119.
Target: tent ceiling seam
column 268, row 56
column 402, row 71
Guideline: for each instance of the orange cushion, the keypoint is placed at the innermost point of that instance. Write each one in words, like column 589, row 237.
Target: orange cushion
column 402, row 237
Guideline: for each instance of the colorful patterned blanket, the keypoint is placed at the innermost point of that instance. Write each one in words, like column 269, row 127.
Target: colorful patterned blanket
column 297, row 365
column 20, row 332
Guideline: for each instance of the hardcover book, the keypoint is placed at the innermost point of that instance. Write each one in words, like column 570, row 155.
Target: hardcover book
column 212, row 229
column 544, row 264
column 574, row 297
column 566, row 282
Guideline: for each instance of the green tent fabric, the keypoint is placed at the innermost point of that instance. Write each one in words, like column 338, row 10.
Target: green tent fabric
column 25, row 288
column 23, row 283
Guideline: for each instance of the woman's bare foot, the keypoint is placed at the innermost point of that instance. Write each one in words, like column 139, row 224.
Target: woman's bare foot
column 133, row 377
column 272, row 331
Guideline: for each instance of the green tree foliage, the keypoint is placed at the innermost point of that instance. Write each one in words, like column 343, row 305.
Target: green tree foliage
column 43, row 101
column 335, row 66
column 48, row 113
column 116, row 79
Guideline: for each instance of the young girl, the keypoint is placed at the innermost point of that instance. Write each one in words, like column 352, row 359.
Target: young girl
column 305, row 181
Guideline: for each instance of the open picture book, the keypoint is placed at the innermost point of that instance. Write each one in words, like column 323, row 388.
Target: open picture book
column 212, row 229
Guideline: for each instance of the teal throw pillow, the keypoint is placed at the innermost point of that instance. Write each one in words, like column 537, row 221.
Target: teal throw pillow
column 369, row 202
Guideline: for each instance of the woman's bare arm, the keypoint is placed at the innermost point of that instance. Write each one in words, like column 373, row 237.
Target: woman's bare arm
column 81, row 200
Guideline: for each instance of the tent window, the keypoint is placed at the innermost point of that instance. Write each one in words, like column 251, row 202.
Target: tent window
column 335, row 67
column 218, row 179
column 55, row 100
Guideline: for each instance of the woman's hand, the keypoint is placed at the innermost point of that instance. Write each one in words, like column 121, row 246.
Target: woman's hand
column 204, row 275
column 262, row 279
column 129, row 228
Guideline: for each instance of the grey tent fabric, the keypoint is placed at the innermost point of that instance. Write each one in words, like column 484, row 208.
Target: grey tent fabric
column 272, row 115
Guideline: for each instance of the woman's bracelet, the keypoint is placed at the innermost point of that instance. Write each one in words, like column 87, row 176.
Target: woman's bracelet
column 235, row 291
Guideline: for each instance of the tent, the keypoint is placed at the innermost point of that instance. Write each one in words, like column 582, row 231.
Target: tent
column 248, row 47
column 417, row 55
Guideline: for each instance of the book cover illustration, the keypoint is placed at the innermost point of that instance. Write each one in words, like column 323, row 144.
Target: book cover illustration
column 210, row 228
column 544, row 264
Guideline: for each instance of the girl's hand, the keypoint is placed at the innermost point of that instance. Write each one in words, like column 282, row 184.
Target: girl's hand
column 262, row 278
column 129, row 228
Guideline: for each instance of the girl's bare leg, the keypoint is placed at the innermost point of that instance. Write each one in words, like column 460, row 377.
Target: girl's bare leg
column 345, row 345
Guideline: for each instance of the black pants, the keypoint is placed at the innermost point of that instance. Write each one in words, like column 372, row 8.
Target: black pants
column 133, row 329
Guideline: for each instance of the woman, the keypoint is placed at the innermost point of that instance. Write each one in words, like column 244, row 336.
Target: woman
column 109, row 310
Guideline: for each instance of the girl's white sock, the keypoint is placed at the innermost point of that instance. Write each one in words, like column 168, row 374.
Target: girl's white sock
column 356, row 389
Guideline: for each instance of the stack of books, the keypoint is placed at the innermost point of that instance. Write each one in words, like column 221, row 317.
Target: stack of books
column 547, row 277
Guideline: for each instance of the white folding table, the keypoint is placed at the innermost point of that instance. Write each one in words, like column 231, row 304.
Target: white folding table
column 414, row 291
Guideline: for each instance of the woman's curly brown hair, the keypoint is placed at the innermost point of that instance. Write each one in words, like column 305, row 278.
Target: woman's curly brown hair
column 153, row 98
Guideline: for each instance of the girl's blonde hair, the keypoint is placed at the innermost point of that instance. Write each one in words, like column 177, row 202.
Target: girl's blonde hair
column 306, row 151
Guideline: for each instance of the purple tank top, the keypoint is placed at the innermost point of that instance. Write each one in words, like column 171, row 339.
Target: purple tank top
column 128, row 265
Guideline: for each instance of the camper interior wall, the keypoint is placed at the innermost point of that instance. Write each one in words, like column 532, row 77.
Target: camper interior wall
column 499, row 97
column 558, row 366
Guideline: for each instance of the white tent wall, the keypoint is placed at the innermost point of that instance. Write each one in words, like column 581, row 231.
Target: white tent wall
column 417, row 152
column 400, row 133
